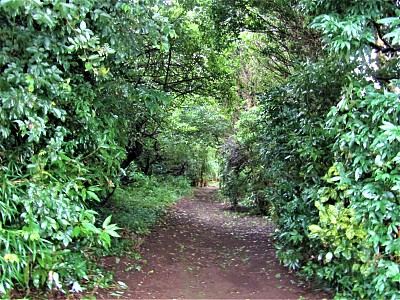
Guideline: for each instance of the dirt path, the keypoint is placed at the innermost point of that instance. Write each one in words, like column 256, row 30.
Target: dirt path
column 203, row 250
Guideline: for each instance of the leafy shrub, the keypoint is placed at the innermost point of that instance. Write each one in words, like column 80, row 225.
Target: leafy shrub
column 54, row 151
column 358, row 206
column 41, row 229
column 284, row 151
column 243, row 178
column 361, row 198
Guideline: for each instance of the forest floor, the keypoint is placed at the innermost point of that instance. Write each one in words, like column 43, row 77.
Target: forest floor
column 203, row 250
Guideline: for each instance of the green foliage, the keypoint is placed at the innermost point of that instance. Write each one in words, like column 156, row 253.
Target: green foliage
column 279, row 151
column 92, row 90
column 54, row 149
column 155, row 87
column 296, row 154
column 278, row 26
column 70, row 106
column 364, row 181
column 86, row 88
column 188, row 144
column 242, row 177
column 358, row 215
column 340, row 223
column 140, row 205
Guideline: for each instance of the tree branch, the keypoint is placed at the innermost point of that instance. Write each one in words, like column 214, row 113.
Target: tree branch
column 383, row 49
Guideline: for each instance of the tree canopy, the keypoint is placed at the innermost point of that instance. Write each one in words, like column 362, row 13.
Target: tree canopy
column 292, row 105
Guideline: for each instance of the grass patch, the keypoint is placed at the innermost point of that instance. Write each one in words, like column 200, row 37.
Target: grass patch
column 140, row 205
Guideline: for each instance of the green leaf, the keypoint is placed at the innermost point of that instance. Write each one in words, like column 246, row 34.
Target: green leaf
column 107, row 221
column 393, row 270
column 12, row 258
column 93, row 195
column 394, row 20
column 5, row 2
column 94, row 188
column 83, row 194
column 314, row 228
column 328, row 256
column 90, row 227
column 113, row 233
column 88, row 66
column 82, row 25
column 106, row 238
column 388, row 126
column 76, row 231
column 350, row 234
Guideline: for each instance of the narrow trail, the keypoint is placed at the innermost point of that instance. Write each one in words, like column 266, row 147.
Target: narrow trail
column 204, row 251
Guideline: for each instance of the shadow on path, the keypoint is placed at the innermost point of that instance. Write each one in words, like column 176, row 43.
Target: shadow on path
column 203, row 250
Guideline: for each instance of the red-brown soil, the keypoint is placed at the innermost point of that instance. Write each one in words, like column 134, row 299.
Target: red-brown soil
column 204, row 251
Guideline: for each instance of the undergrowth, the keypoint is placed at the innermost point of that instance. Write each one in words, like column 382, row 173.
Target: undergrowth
column 139, row 206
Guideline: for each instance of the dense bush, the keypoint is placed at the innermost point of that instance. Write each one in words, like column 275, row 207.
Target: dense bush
column 280, row 154
column 54, row 149
column 74, row 109
column 358, row 203
column 324, row 146
column 242, row 177
column 358, row 206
